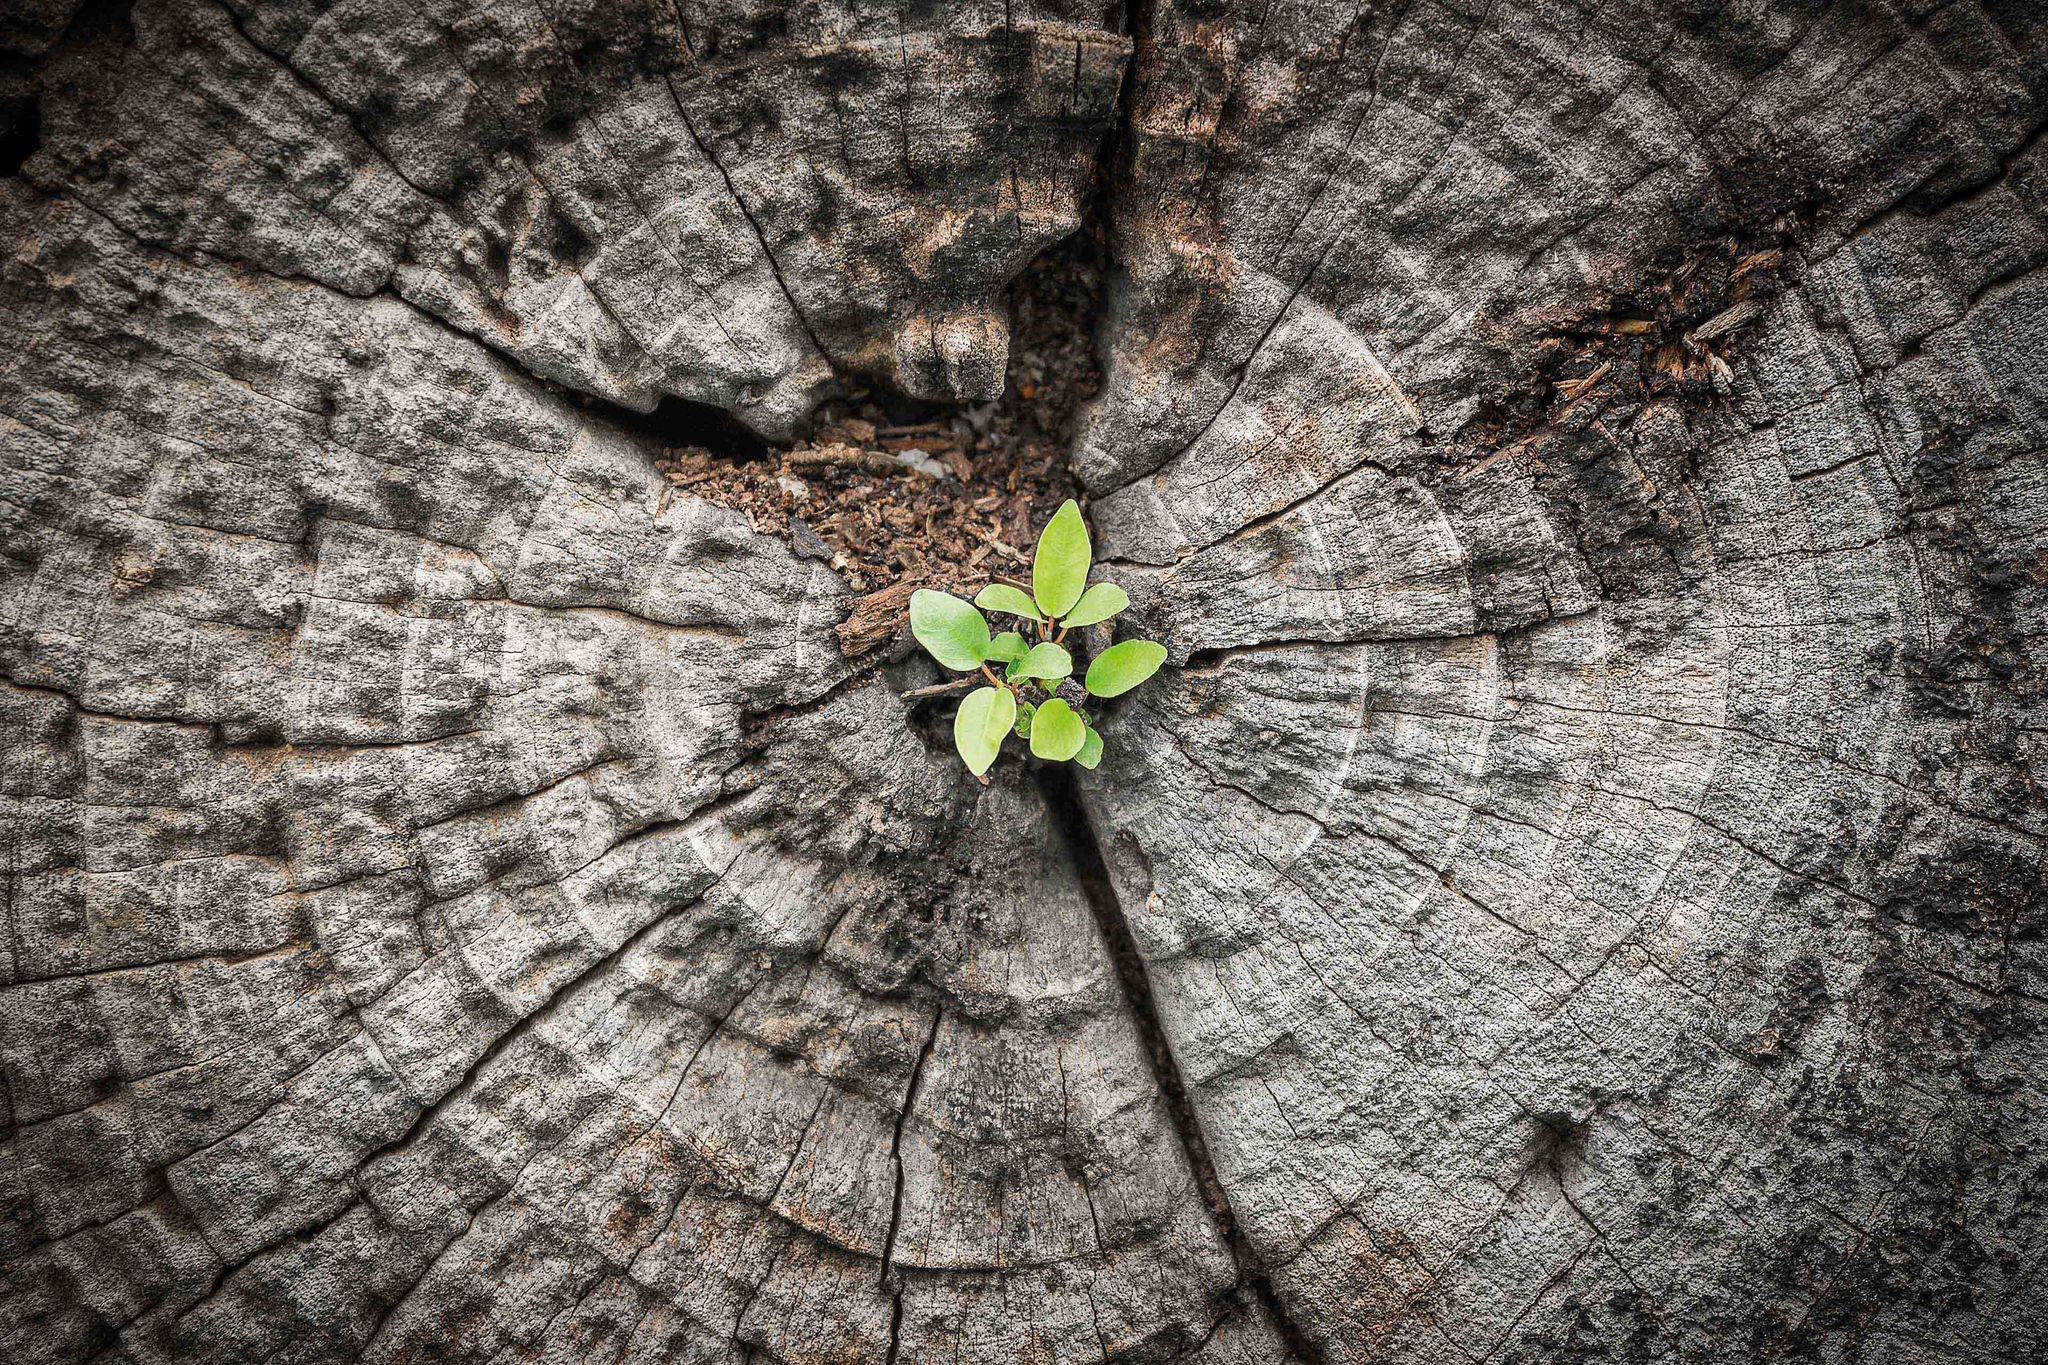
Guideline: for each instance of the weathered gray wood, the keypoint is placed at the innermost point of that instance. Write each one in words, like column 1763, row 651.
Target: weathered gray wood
column 1591, row 866
column 1578, row 891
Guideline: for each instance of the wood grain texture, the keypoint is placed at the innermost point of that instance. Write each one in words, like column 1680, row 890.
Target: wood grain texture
column 1575, row 891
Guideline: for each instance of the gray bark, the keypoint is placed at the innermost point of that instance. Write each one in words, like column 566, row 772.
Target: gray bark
column 1576, row 892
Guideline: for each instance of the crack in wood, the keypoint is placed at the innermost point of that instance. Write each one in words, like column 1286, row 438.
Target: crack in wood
column 910, row 1093
column 1076, row 832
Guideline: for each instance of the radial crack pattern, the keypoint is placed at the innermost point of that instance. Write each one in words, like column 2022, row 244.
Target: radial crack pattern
column 1575, row 893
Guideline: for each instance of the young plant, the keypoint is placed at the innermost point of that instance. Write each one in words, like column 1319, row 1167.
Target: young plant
column 1025, row 696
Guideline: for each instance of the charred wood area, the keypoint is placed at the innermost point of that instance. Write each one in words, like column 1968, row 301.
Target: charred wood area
column 486, row 875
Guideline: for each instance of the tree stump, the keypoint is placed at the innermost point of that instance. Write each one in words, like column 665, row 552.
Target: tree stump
column 1576, row 891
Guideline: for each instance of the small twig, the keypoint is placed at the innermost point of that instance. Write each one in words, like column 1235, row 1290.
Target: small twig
column 940, row 689
column 1012, row 551
column 846, row 457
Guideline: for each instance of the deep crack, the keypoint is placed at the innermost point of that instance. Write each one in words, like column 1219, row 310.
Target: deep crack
column 1056, row 783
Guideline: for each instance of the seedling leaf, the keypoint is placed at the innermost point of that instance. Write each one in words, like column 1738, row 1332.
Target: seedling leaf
column 1059, row 571
column 1025, row 711
column 1047, row 661
column 984, row 719
column 1123, row 666
column 951, row 630
column 1007, row 648
column 1003, row 597
column 1091, row 750
column 1057, row 731
column 1099, row 603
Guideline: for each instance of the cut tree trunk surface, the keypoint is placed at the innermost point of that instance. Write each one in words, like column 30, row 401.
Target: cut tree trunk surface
column 476, row 889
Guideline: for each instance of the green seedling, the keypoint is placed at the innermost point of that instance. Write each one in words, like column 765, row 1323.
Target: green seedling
column 1023, row 698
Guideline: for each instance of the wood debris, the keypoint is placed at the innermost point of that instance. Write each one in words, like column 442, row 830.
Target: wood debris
column 1726, row 321
column 896, row 495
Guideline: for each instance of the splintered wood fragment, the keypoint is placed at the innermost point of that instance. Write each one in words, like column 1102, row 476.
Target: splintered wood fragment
column 1758, row 260
column 877, row 619
column 1726, row 321
column 1526, row 448
column 1572, row 388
